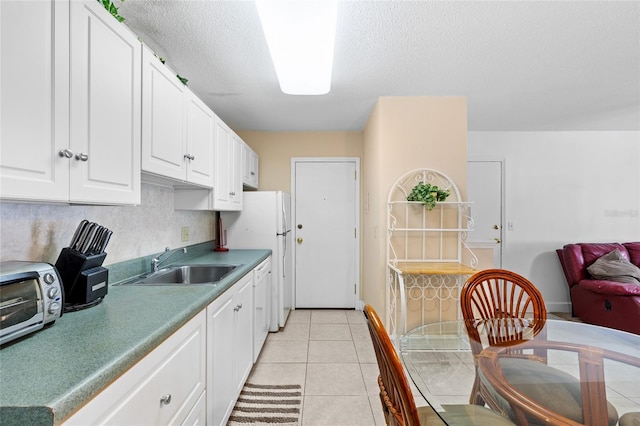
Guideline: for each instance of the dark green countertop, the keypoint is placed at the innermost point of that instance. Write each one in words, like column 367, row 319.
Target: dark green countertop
column 47, row 375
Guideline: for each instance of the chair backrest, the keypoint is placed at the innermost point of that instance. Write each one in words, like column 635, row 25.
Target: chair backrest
column 395, row 393
column 498, row 294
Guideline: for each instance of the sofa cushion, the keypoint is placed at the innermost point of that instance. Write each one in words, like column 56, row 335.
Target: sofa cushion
column 634, row 252
column 614, row 266
column 593, row 251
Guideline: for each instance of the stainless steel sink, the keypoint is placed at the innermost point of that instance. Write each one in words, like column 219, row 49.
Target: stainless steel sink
column 186, row 274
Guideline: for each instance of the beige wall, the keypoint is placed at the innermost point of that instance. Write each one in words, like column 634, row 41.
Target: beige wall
column 405, row 133
column 402, row 133
column 276, row 149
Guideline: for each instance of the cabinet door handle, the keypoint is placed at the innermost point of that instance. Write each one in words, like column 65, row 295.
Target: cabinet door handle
column 166, row 399
column 67, row 153
column 238, row 307
column 82, row 157
column 232, row 193
column 189, row 157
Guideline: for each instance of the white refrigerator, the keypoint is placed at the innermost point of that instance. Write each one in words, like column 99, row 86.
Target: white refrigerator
column 264, row 223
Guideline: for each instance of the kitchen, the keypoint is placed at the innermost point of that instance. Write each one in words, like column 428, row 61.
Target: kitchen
column 49, row 227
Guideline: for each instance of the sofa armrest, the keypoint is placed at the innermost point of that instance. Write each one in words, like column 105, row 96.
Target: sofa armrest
column 612, row 288
column 573, row 264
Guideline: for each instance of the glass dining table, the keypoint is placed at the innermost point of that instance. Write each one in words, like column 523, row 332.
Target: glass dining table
column 606, row 362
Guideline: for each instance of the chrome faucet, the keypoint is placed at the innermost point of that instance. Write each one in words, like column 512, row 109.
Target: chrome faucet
column 156, row 261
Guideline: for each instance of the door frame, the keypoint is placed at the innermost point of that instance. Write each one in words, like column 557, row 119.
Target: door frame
column 356, row 161
column 503, row 228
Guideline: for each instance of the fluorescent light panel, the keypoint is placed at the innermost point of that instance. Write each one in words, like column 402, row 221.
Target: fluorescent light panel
column 301, row 36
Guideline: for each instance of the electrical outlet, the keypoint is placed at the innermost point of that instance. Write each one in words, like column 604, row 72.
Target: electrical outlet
column 184, row 233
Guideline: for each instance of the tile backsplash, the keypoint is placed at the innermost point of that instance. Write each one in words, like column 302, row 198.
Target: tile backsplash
column 38, row 232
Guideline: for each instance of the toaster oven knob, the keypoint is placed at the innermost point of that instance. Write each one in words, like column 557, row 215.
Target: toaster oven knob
column 48, row 278
column 52, row 292
column 54, row 308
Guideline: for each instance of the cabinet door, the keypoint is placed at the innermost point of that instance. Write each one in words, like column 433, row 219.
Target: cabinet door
column 243, row 331
column 34, row 100
column 235, row 170
column 200, row 141
column 222, row 188
column 105, row 107
column 261, row 306
column 163, row 119
column 221, row 394
column 253, row 172
column 249, row 167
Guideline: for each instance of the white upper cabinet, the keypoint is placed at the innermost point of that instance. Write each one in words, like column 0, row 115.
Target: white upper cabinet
column 200, row 141
column 34, row 100
column 228, row 182
column 178, row 128
column 70, row 104
column 249, row 167
column 105, row 107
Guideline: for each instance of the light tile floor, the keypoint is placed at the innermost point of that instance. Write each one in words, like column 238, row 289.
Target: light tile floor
column 329, row 353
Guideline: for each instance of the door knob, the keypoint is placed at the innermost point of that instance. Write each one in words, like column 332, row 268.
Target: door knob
column 299, row 240
column 496, row 226
column 299, row 226
column 497, row 240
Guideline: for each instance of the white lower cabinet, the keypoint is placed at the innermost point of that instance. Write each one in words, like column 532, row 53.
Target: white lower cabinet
column 261, row 305
column 165, row 387
column 229, row 348
column 195, row 376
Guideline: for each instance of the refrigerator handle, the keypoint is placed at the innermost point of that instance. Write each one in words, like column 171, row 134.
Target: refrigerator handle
column 284, row 254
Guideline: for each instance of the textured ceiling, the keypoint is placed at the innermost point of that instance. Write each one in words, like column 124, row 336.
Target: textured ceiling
column 523, row 65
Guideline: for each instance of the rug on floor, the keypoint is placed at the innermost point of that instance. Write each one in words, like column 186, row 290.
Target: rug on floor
column 267, row 405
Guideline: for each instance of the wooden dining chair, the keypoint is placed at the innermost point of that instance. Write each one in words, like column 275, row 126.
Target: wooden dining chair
column 504, row 308
column 495, row 294
column 396, row 398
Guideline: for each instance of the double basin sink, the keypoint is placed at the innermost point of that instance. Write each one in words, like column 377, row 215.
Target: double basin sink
column 185, row 274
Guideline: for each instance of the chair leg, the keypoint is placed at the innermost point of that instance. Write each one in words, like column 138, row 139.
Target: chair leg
column 475, row 398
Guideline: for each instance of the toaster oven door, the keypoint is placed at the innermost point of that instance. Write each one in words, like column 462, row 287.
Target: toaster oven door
column 20, row 305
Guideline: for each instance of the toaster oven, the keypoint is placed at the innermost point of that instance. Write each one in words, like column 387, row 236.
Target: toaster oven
column 31, row 296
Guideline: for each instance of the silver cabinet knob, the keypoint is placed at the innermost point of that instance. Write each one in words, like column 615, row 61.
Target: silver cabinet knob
column 166, row 399
column 189, row 157
column 82, row 156
column 67, row 153
column 238, row 307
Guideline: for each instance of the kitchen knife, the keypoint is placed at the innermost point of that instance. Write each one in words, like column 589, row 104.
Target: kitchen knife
column 105, row 240
column 87, row 243
column 86, row 237
column 95, row 241
column 78, row 245
column 76, row 235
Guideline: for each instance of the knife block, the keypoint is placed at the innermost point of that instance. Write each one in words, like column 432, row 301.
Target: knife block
column 84, row 279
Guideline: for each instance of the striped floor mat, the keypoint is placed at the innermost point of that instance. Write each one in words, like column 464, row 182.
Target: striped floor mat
column 268, row 405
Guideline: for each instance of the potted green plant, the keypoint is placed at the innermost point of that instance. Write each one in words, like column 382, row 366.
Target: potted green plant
column 428, row 194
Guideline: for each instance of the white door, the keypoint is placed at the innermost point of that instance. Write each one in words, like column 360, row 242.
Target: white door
column 325, row 232
column 485, row 192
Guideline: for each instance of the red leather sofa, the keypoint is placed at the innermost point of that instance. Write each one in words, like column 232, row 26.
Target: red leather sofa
column 606, row 303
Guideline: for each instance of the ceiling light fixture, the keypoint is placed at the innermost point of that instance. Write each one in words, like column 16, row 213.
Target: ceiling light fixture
column 300, row 35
